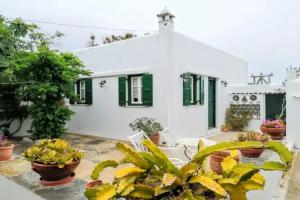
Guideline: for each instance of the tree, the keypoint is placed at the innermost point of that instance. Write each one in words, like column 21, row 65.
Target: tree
column 44, row 77
column 115, row 38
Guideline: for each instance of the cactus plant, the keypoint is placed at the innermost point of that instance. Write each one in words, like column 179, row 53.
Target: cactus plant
column 152, row 175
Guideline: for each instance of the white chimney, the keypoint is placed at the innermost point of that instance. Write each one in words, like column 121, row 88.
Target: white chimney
column 165, row 22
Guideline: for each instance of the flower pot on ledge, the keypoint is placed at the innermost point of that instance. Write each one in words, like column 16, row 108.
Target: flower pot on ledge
column 275, row 133
column 217, row 158
column 52, row 175
column 155, row 138
column 6, row 152
column 252, row 152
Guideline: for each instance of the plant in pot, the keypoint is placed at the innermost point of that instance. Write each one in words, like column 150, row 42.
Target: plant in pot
column 54, row 160
column 6, row 148
column 149, row 126
column 237, row 119
column 151, row 175
column 226, row 128
column 217, row 158
column 274, row 128
column 252, row 136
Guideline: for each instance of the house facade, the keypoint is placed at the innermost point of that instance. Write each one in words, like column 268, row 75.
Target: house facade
column 175, row 79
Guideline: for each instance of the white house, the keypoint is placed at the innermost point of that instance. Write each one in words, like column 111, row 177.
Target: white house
column 175, row 79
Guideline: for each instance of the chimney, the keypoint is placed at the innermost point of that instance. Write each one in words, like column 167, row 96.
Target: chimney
column 165, row 22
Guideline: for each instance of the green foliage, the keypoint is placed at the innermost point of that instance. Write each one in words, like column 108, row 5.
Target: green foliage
column 101, row 166
column 55, row 152
column 40, row 77
column 237, row 120
column 163, row 180
column 148, row 125
column 253, row 136
column 115, row 38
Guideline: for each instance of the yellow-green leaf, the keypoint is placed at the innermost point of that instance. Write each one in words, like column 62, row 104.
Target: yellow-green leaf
column 243, row 171
column 161, row 190
column 209, row 183
column 127, row 190
column 128, row 171
column 258, row 178
column 161, row 157
column 283, row 152
column 227, row 164
column 133, row 156
column 105, row 192
column 188, row 195
column 124, row 183
column 273, row 165
column 188, row 169
column 142, row 192
column 236, row 192
column 102, row 165
column 168, row 179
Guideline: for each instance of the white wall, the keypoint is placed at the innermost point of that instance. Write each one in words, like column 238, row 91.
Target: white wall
column 189, row 55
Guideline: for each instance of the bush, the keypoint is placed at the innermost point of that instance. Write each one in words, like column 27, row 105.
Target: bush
column 237, row 120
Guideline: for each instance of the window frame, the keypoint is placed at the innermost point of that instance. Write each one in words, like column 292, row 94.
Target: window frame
column 130, row 90
column 82, row 95
column 194, row 87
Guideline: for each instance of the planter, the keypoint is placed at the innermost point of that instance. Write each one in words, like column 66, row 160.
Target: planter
column 225, row 130
column 93, row 184
column 252, row 152
column 155, row 137
column 52, row 175
column 217, row 158
column 275, row 133
column 6, row 152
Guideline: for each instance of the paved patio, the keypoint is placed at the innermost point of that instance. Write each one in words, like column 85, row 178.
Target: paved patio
column 96, row 149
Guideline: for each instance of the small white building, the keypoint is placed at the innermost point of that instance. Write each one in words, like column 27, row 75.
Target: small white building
column 175, row 79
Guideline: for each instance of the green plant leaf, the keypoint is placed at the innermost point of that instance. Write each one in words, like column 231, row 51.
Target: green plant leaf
column 188, row 169
column 283, row 152
column 168, row 179
column 273, row 165
column 256, row 182
column 188, row 195
column 142, row 192
column 128, row 171
column 242, row 172
column 161, row 157
column 101, row 166
column 133, row 156
column 201, row 155
column 227, row 164
column 126, row 184
column 105, row 192
column 236, row 192
column 210, row 184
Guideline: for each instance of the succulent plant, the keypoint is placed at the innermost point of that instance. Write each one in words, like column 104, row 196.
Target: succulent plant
column 253, row 136
column 4, row 142
column 53, row 151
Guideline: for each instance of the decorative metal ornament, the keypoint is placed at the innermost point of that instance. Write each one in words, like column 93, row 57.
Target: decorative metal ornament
column 236, row 98
column 244, row 99
column 253, row 97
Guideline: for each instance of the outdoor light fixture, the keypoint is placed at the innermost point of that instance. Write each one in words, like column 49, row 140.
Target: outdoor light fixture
column 224, row 83
column 102, row 83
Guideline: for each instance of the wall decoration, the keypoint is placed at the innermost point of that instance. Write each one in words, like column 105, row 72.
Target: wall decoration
column 244, row 99
column 236, row 98
column 253, row 97
column 254, row 109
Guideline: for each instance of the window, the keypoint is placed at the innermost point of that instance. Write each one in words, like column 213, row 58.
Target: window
column 193, row 89
column 136, row 90
column 82, row 91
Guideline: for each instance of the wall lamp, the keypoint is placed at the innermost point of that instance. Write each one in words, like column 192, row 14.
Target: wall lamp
column 102, row 83
column 224, row 83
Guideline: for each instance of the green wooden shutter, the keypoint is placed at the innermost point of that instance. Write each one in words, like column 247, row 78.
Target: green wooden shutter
column 72, row 91
column 77, row 99
column 147, row 89
column 187, row 89
column 122, row 91
column 201, row 90
column 88, row 91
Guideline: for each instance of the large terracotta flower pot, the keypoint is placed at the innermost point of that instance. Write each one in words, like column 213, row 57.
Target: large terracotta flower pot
column 216, row 159
column 275, row 133
column 93, row 184
column 155, row 138
column 53, row 175
column 251, row 152
column 6, row 152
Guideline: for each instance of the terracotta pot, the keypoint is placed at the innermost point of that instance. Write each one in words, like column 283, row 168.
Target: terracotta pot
column 52, row 173
column 91, row 189
column 216, row 159
column 275, row 133
column 225, row 129
column 155, row 138
column 252, row 152
column 93, row 184
column 6, row 152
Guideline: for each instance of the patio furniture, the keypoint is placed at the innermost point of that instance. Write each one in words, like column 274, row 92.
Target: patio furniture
column 137, row 139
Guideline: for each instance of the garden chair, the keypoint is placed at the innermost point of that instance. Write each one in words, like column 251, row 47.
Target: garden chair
column 136, row 141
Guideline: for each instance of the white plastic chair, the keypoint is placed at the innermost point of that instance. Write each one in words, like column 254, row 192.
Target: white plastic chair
column 136, row 141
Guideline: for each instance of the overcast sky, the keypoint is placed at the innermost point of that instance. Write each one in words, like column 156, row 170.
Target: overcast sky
column 266, row 33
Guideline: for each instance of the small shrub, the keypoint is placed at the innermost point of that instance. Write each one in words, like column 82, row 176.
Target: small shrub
column 253, row 136
column 54, row 152
column 237, row 120
column 147, row 125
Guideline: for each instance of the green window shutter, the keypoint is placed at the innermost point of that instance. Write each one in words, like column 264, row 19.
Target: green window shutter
column 187, row 89
column 88, row 91
column 77, row 98
column 147, row 89
column 72, row 91
column 122, row 91
column 201, row 92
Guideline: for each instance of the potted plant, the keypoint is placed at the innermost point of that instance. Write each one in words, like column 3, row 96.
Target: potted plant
column 217, row 158
column 54, row 160
column 149, row 126
column 6, row 148
column 236, row 119
column 252, row 136
column 226, row 128
column 151, row 175
column 274, row 128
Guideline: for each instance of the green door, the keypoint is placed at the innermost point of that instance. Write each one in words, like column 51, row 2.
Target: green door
column 211, row 103
column 274, row 106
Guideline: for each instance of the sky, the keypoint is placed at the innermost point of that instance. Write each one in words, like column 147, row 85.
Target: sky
column 265, row 33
